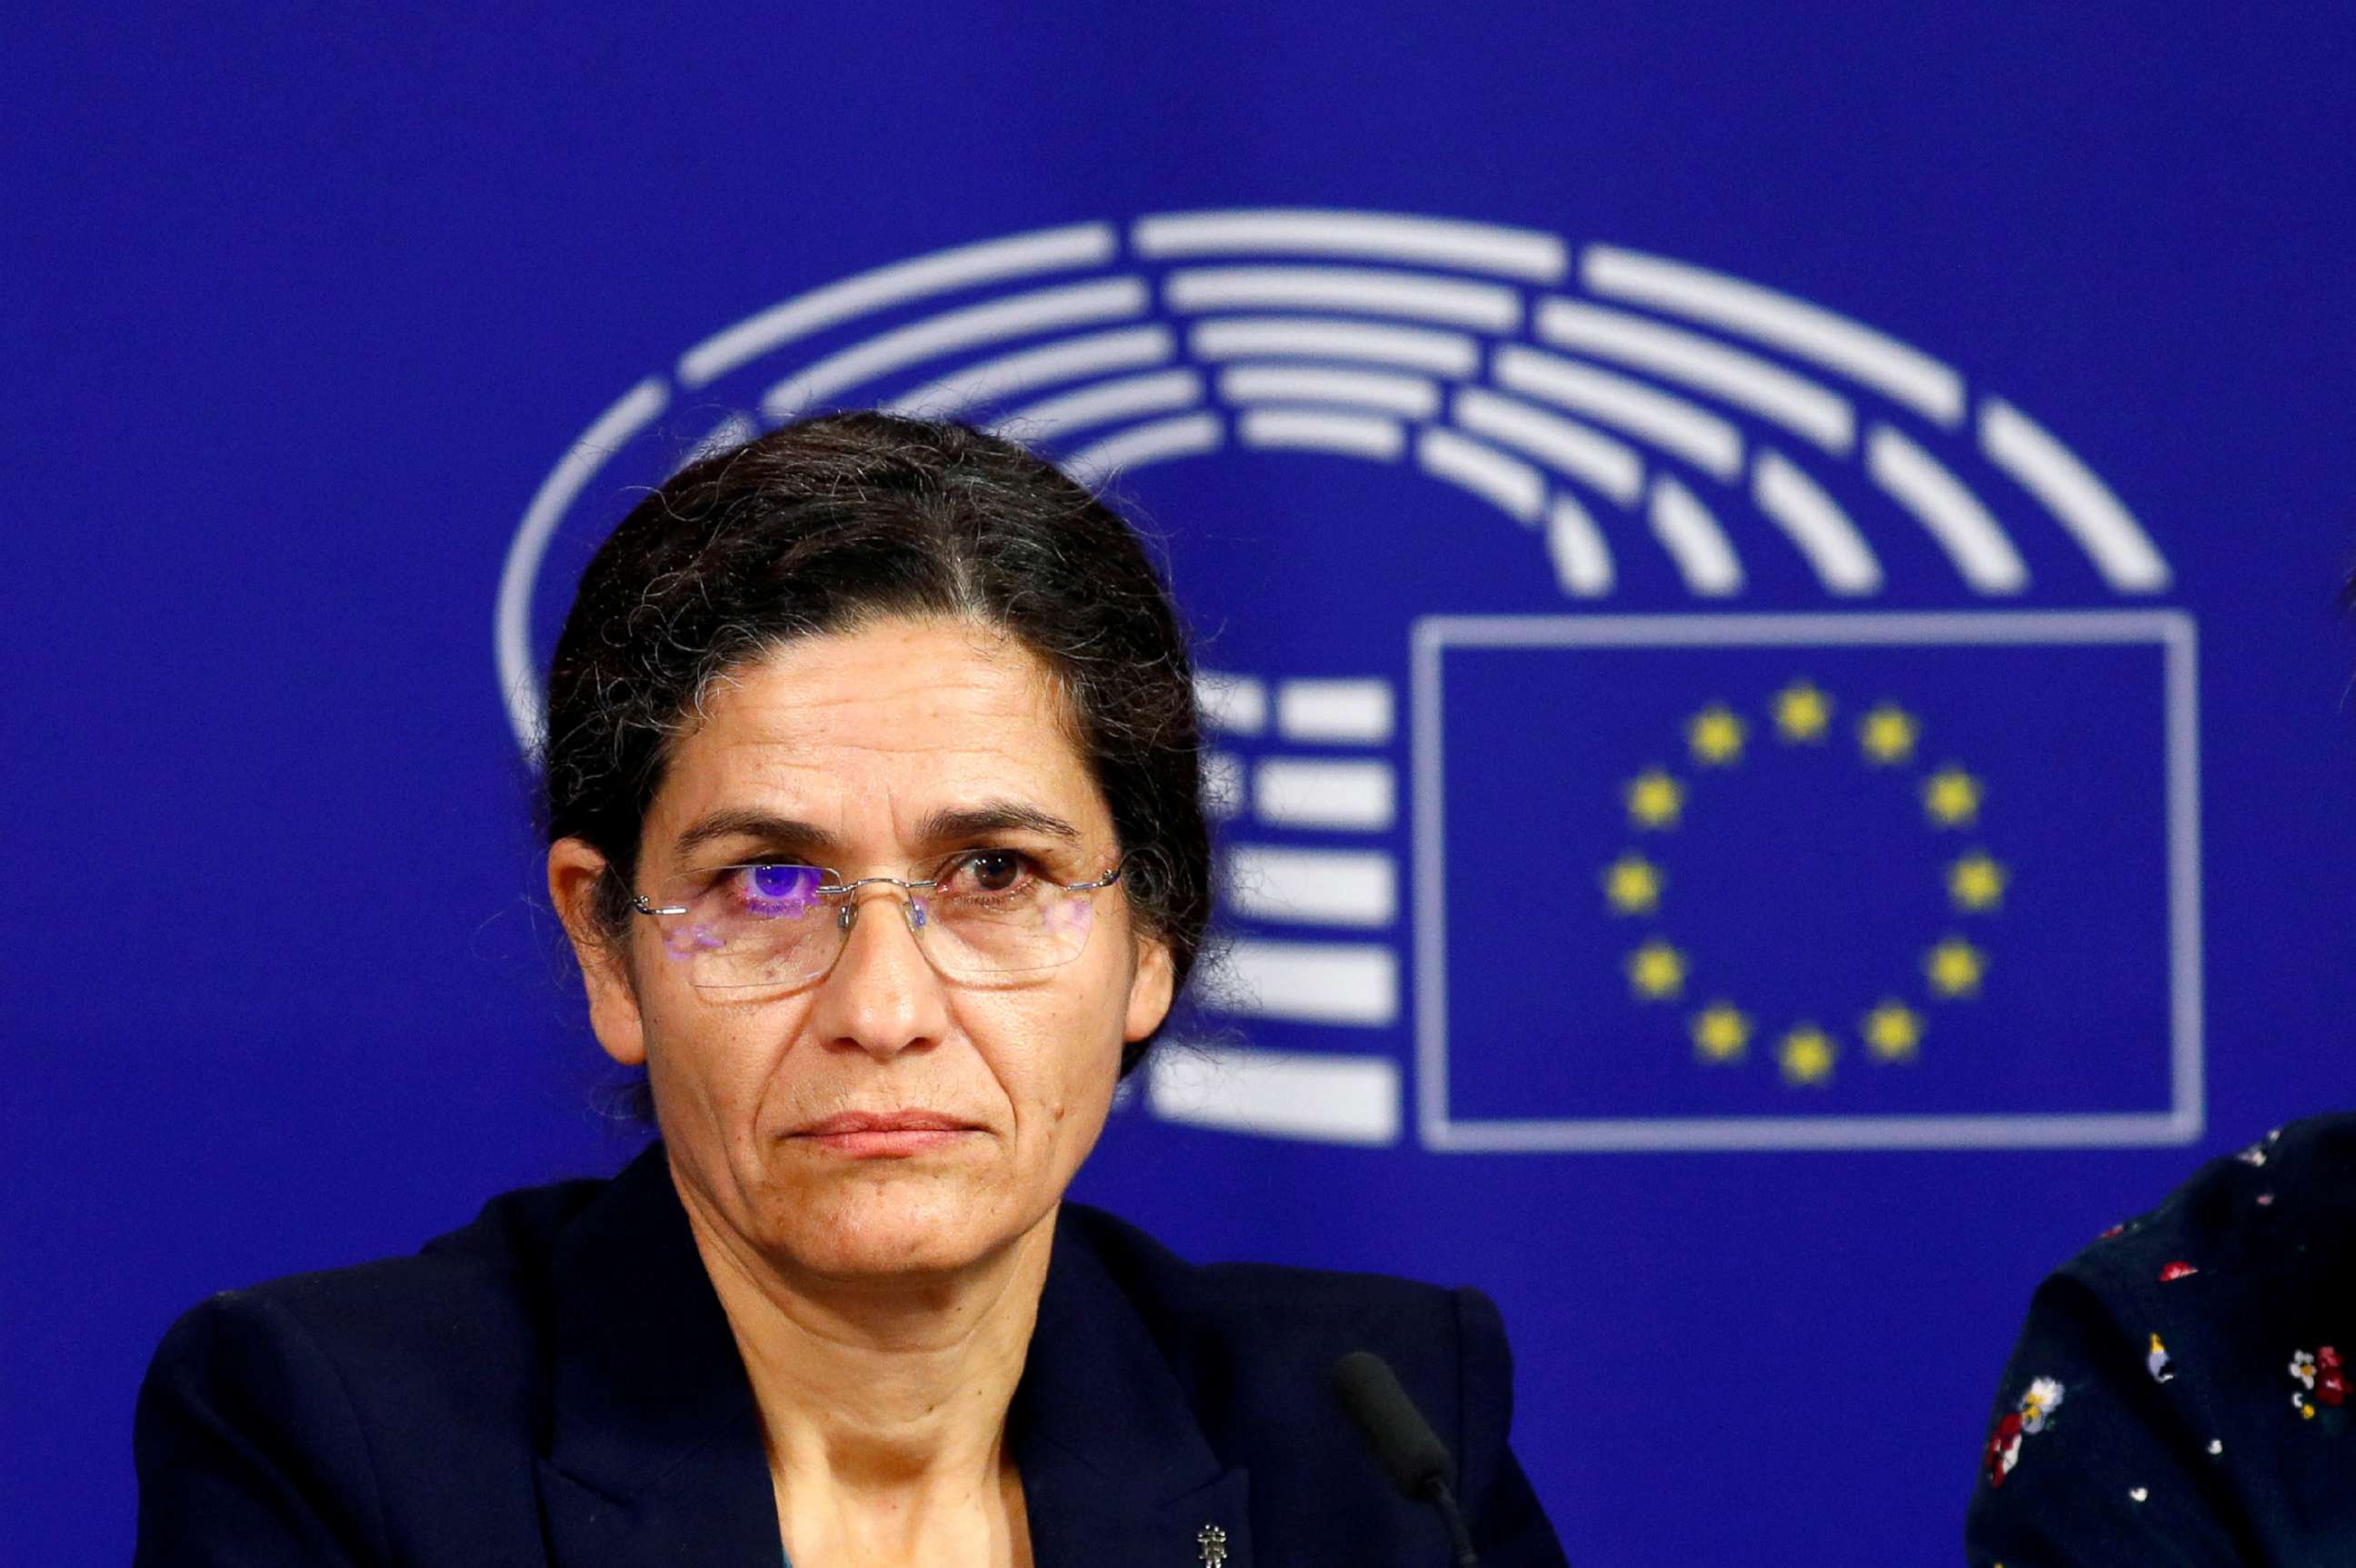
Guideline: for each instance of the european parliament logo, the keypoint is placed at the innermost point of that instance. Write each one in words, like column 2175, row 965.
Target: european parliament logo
column 1508, row 866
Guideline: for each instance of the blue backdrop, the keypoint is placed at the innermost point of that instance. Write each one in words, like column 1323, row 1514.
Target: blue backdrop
column 1766, row 587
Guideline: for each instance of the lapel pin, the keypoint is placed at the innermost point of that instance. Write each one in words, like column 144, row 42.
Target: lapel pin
column 1214, row 1542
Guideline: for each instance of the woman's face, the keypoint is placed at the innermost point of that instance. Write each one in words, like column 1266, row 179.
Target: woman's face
column 869, row 753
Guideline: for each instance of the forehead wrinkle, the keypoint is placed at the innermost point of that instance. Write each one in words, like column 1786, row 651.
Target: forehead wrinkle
column 943, row 797
column 926, row 791
column 827, row 771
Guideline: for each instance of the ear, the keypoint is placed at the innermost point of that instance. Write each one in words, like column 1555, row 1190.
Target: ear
column 574, row 870
column 1149, row 990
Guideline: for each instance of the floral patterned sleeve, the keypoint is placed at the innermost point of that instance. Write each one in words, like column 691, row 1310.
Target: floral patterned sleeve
column 2091, row 1458
column 2178, row 1395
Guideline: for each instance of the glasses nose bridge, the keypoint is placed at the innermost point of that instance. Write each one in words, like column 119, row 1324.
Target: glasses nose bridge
column 845, row 897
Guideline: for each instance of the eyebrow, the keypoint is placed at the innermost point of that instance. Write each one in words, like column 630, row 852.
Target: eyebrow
column 944, row 826
column 994, row 817
column 774, row 832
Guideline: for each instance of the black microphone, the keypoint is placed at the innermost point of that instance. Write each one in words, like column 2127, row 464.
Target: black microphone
column 1403, row 1441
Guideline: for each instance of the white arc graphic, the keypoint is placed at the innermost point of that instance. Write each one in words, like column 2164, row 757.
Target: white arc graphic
column 1639, row 424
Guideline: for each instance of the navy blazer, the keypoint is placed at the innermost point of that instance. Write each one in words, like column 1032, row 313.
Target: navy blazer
column 556, row 1384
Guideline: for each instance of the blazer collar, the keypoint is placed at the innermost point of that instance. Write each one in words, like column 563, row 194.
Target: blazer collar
column 655, row 1449
column 1115, row 1464
column 656, row 1452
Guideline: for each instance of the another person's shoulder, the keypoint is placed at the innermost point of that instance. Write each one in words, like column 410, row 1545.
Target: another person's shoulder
column 2173, row 1375
column 2256, row 1210
column 2241, row 1220
column 2219, row 1255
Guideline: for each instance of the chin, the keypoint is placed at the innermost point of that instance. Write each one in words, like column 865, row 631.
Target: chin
column 863, row 1229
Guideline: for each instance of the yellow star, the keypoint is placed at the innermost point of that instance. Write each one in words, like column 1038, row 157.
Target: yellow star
column 1806, row 1055
column 1656, row 971
column 1721, row 1033
column 1976, row 883
column 1633, row 885
column 1715, row 734
column 1887, row 734
column 1654, row 798
column 1802, row 714
column 1951, row 798
column 1892, row 1031
column 1955, row 968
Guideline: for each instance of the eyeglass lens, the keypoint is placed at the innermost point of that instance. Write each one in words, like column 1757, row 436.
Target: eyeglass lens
column 779, row 925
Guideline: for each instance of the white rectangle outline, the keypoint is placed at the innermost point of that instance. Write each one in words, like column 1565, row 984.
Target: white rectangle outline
column 2171, row 629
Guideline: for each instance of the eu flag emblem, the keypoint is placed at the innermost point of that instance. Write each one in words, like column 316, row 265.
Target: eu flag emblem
column 1806, row 881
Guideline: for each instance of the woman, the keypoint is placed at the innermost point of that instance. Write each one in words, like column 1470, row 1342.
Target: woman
column 871, row 779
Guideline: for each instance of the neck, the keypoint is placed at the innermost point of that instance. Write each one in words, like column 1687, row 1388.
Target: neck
column 884, row 1400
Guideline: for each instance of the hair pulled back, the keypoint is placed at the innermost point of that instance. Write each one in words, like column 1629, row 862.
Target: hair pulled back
column 828, row 525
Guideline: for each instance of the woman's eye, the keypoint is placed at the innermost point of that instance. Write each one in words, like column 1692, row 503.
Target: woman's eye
column 991, row 871
column 778, row 889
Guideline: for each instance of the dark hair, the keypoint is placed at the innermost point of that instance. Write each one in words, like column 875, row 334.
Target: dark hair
column 833, row 524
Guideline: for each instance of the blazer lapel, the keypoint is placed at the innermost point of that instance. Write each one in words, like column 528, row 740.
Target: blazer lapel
column 1115, row 1465
column 655, row 1451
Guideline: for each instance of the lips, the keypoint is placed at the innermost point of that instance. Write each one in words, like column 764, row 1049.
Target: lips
column 884, row 1122
column 869, row 1134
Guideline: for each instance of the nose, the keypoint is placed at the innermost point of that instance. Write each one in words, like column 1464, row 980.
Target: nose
column 882, row 996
